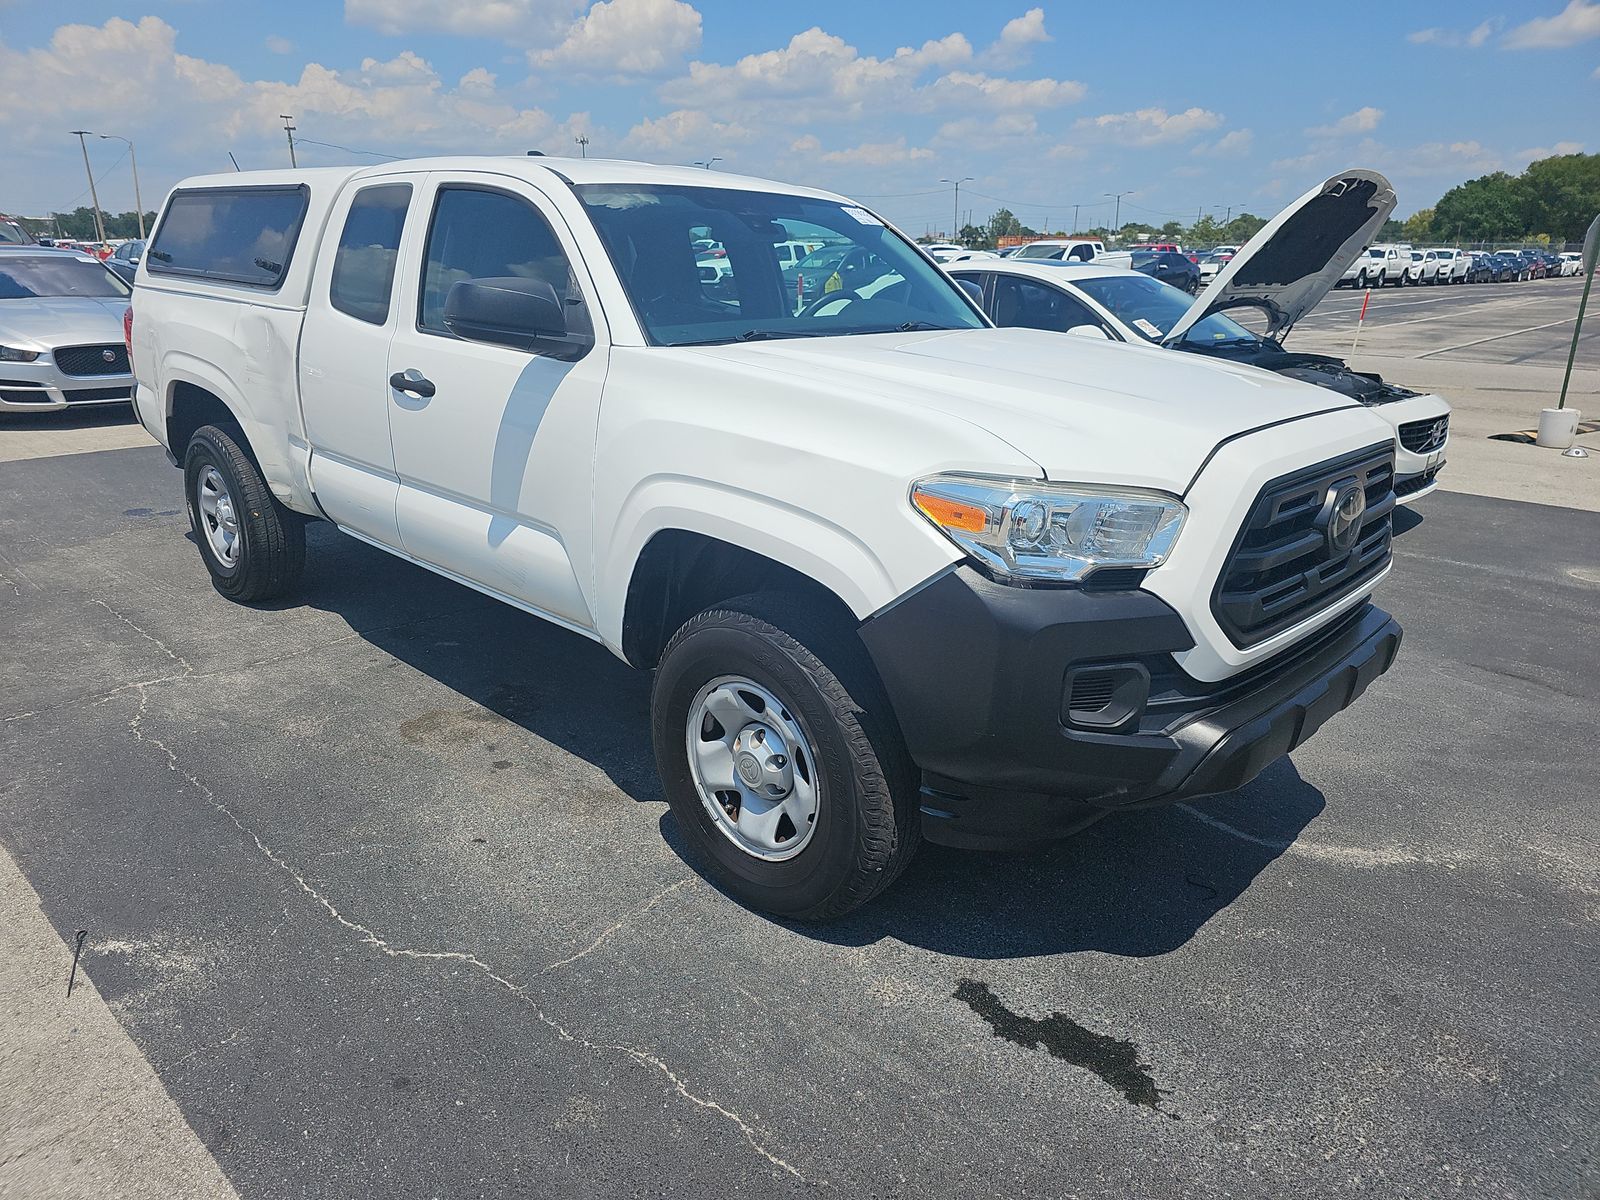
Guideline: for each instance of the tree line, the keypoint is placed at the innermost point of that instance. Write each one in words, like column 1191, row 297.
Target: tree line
column 79, row 224
column 1208, row 231
column 1552, row 201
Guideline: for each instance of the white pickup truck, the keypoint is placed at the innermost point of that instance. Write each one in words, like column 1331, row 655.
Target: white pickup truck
column 898, row 573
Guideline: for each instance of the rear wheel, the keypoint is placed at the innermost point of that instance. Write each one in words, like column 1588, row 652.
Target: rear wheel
column 253, row 547
column 781, row 760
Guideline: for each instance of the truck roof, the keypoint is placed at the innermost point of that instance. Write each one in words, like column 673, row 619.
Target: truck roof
column 534, row 168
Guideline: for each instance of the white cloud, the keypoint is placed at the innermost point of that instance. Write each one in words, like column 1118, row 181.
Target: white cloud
column 981, row 132
column 878, row 154
column 685, row 131
column 1017, row 39
column 1537, row 152
column 1471, row 39
column 480, row 81
column 968, row 88
column 816, row 66
column 626, row 37
column 1150, row 126
column 806, row 144
column 280, row 45
column 1578, row 22
column 1363, row 120
column 1233, row 144
column 540, row 19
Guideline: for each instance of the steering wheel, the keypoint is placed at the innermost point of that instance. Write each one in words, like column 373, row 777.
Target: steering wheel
column 849, row 295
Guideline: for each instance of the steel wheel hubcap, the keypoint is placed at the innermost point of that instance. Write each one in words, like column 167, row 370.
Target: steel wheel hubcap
column 218, row 519
column 753, row 767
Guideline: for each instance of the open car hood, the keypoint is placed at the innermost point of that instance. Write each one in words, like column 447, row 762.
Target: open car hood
column 1296, row 259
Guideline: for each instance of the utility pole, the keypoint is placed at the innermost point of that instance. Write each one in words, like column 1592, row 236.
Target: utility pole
column 288, row 130
column 583, row 145
column 138, row 199
column 955, row 215
column 1116, row 220
column 1074, row 220
column 99, row 220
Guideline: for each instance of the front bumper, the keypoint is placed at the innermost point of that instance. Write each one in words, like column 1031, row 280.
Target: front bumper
column 977, row 673
column 42, row 386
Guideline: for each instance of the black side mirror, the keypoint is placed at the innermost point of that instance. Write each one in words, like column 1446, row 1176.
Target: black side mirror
column 525, row 314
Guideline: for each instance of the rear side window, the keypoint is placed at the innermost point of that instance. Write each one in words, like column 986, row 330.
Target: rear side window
column 363, row 268
column 235, row 235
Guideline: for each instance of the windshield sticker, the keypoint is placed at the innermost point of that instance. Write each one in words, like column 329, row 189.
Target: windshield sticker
column 863, row 216
column 1148, row 328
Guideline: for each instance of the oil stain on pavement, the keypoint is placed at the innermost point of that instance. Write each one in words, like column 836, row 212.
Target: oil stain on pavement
column 1114, row 1060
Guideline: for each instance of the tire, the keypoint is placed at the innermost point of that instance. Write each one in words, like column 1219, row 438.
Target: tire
column 866, row 824
column 269, row 542
column 1361, row 281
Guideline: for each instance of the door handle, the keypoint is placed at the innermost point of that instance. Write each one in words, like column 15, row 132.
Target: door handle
column 412, row 381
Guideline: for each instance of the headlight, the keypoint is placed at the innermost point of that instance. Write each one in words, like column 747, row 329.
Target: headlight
column 11, row 354
column 1028, row 529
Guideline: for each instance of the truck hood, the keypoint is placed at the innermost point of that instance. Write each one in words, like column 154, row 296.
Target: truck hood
column 1082, row 410
column 1296, row 259
column 62, row 320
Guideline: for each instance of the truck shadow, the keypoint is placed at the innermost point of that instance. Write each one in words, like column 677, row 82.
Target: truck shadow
column 1137, row 884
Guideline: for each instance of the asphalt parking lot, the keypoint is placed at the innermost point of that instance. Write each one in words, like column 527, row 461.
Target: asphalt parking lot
column 381, row 887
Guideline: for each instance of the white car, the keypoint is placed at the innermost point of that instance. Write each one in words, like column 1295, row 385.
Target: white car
column 1066, row 249
column 1571, row 264
column 1415, row 267
column 943, row 251
column 1448, row 265
column 895, row 573
column 1211, row 266
column 1095, row 301
column 970, row 256
column 1377, row 266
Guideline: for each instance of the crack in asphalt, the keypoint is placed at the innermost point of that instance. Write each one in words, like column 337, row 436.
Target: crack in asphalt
column 370, row 938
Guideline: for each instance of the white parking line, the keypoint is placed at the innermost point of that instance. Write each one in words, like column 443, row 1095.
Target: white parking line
column 1497, row 337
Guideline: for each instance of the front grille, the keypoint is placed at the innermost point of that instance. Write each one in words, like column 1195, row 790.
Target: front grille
column 1284, row 566
column 91, row 360
column 96, row 395
column 1424, row 437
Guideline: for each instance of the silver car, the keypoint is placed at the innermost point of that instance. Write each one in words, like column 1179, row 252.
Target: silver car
column 61, row 334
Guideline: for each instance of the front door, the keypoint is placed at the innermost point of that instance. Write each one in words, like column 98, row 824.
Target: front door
column 492, row 445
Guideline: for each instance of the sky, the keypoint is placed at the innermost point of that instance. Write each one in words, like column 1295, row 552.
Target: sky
column 1046, row 107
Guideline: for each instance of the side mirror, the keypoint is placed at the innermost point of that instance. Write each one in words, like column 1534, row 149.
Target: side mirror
column 524, row 314
column 973, row 291
column 1090, row 331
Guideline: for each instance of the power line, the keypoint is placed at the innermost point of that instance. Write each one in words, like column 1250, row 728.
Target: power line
column 305, row 141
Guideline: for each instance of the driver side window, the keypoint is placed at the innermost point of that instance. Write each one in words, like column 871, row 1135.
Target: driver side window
column 481, row 234
column 1024, row 304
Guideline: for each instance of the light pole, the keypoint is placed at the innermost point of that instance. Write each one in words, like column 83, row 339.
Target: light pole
column 707, row 162
column 583, row 145
column 99, row 221
column 1116, row 220
column 1074, row 220
column 133, row 159
column 288, row 130
column 955, row 217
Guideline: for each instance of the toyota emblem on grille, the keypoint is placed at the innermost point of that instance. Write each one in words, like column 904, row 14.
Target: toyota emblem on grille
column 109, row 355
column 1349, row 505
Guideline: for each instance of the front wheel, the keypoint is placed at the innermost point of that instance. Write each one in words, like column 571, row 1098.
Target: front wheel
column 781, row 760
column 253, row 547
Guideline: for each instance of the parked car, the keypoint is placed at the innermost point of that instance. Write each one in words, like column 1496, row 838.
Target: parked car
column 1091, row 300
column 1414, row 267
column 897, row 574
column 1571, row 263
column 124, row 260
column 1212, row 265
column 1078, row 249
column 1449, row 265
column 971, row 255
column 1169, row 247
column 61, row 332
column 943, row 251
column 1376, row 267
column 1169, row 267
column 13, row 233
column 1502, row 267
column 1478, row 268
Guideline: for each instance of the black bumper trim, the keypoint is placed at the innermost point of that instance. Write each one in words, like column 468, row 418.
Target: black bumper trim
column 975, row 672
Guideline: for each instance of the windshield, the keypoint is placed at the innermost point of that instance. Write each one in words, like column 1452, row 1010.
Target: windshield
column 13, row 234
column 868, row 280
column 1040, row 250
column 25, row 277
column 1153, row 308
